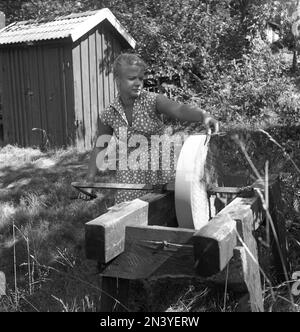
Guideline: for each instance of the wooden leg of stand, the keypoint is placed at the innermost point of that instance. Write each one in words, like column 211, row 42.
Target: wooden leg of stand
column 114, row 296
column 279, row 249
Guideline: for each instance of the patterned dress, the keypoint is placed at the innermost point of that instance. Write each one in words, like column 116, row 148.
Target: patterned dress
column 146, row 126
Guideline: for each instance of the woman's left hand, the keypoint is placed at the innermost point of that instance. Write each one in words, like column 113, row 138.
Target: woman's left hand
column 211, row 125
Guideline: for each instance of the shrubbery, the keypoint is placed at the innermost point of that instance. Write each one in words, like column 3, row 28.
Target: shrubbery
column 255, row 89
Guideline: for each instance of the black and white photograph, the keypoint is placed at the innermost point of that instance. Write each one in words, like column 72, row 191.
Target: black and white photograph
column 149, row 159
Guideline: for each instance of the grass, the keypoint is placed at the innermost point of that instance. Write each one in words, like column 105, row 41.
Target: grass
column 41, row 223
column 42, row 231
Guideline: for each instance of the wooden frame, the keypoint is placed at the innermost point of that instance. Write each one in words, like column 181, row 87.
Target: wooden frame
column 154, row 247
column 2, row 284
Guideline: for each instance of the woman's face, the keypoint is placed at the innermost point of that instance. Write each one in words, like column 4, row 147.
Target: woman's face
column 130, row 81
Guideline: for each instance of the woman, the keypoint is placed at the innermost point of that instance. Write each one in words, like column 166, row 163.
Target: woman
column 136, row 112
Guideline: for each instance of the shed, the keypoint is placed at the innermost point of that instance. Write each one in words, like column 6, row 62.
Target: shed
column 57, row 76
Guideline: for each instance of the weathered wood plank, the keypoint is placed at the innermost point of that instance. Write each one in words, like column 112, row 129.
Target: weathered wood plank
column 86, row 96
column 106, row 69
column 53, row 95
column 248, row 215
column 2, row 284
column 214, row 245
column 116, row 51
column 153, row 252
column 42, row 89
column 114, row 296
column 33, row 95
column 14, row 76
column 280, row 257
column 62, row 95
column 155, row 236
column 93, row 85
column 78, row 99
column 215, row 256
column 68, row 94
column 250, row 271
column 105, row 235
column 19, row 95
column 240, row 208
column 10, row 120
column 100, row 71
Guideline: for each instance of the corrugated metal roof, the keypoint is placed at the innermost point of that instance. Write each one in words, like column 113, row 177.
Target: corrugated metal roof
column 71, row 26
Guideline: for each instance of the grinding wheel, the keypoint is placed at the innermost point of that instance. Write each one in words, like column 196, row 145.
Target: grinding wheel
column 192, row 178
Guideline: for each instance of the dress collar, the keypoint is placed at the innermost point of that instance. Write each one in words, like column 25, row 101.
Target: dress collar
column 118, row 106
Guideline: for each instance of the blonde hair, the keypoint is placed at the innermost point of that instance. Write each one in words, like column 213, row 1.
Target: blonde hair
column 127, row 59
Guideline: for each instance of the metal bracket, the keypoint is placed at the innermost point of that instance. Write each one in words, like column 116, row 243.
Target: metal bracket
column 248, row 191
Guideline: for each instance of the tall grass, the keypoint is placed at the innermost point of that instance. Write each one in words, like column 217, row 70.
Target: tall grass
column 269, row 221
column 40, row 220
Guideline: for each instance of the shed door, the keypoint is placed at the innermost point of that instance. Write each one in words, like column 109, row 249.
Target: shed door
column 20, row 97
column 31, row 86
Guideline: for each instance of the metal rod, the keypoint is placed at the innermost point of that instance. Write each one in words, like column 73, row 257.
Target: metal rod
column 123, row 186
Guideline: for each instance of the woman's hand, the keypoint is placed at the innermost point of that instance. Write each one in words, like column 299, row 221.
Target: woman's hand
column 211, row 124
column 87, row 195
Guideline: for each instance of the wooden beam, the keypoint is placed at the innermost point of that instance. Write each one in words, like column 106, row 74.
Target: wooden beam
column 105, row 235
column 214, row 245
column 242, row 208
column 114, row 295
column 154, row 252
column 2, row 284
column 280, row 249
column 247, row 213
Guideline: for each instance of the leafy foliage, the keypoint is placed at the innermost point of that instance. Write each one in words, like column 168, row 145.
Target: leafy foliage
column 254, row 88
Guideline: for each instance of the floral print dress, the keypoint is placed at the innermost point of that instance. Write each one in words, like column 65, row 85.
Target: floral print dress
column 146, row 124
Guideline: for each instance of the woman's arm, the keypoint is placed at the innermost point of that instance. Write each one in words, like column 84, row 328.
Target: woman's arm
column 184, row 112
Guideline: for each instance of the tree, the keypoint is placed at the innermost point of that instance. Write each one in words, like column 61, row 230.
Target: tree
column 190, row 39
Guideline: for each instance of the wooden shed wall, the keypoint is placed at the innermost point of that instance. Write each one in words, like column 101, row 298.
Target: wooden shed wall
column 94, row 86
column 1, row 112
column 37, row 93
column 59, row 87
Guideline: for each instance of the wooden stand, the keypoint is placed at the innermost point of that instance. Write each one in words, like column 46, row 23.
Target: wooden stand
column 141, row 240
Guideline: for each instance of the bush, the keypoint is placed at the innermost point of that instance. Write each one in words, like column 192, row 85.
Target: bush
column 255, row 89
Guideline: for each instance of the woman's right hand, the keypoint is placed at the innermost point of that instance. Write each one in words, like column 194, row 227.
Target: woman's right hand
column 90, row 194
column 87, row 193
